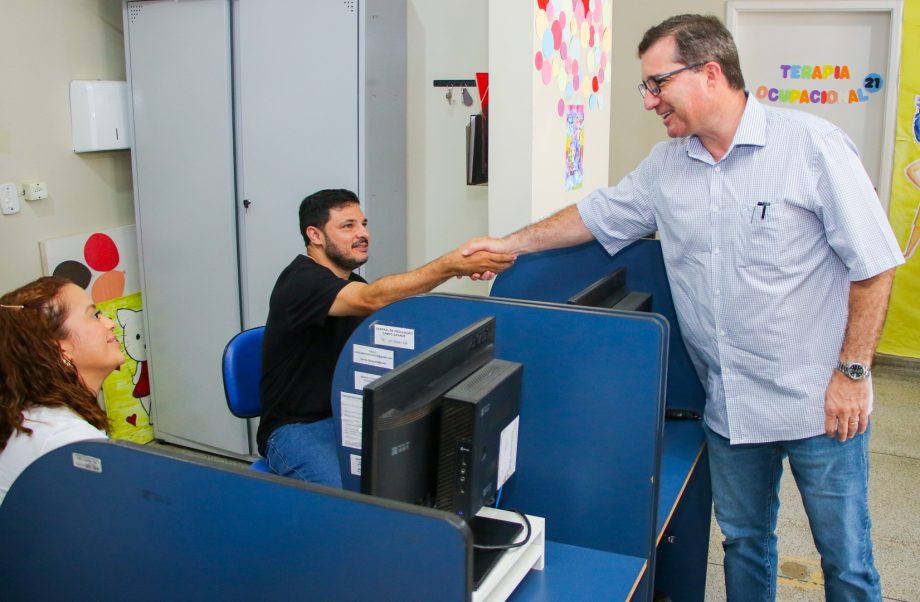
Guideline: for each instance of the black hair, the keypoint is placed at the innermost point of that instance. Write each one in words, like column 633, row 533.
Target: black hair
column 314, row 209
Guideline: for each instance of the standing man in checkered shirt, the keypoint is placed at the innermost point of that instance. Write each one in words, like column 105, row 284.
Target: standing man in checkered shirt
column 780, row 261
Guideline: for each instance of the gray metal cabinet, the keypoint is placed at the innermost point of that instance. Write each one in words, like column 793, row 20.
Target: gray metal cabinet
column 241, row 108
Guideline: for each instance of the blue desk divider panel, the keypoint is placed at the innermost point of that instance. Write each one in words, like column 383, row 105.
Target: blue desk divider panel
column 684, row 495
column 558, row 274
column 591, row 409
column 151, row 526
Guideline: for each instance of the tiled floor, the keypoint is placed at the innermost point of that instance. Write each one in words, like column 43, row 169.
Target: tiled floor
column 894, row 490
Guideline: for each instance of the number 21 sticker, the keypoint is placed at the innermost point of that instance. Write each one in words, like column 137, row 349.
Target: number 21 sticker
column 873, row 82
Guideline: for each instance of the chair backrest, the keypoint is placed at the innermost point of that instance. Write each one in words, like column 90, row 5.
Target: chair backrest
column 242, row 369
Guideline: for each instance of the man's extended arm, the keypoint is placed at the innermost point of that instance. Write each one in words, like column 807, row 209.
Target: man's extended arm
column 360, row 299
column 846, row 399
column 565, row 228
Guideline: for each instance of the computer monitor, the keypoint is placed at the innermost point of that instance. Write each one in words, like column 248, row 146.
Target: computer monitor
column 438, row 431
column 402, row 420
column 612, row 292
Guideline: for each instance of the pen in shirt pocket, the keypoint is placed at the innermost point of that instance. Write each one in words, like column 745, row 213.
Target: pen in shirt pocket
column 762, row 205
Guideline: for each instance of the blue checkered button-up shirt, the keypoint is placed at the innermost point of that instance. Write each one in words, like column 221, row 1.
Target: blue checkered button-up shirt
column 760, row 249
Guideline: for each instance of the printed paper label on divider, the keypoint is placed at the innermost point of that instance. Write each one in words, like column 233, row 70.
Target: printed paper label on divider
column 507, row 451
column 84, row 462
column 352, row 410
column 371, row 356
column 394, row 336
column 362, row 379
column 355, row 461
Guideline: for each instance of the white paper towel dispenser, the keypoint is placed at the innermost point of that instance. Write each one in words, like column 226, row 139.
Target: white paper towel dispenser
column 99, row 115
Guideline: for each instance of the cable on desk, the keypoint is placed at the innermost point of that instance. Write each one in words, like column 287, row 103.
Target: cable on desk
column 509, row 546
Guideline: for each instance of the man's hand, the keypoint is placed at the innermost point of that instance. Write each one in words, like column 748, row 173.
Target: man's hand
column 846, row 402
column 478, row 262
column 562, row 229
column 846, row 407
column 487, row 244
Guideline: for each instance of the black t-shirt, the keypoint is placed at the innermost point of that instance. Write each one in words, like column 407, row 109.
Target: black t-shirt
column 301, row 346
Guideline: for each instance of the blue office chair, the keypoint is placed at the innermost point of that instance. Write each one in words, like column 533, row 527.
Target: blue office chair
column 242, row 368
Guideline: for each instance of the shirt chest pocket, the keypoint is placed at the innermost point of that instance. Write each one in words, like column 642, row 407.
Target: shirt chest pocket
column 763, row 233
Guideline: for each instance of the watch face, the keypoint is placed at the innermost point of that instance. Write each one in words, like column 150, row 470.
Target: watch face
column 856, row 371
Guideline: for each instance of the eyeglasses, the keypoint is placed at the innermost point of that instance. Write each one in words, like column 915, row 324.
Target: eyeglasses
column 653, row 84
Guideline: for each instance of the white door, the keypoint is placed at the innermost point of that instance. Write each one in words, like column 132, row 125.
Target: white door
column 178, row 63
column 297, row 117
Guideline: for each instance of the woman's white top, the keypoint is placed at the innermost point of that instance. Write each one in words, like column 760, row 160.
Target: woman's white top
column 52, row 427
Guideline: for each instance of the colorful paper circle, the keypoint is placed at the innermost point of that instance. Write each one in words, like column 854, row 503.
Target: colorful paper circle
column 109, row 285
column 100, row 252
column 74, row 271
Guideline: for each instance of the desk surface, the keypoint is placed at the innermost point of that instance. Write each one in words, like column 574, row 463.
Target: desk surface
column 572, row 573
column 684, row 441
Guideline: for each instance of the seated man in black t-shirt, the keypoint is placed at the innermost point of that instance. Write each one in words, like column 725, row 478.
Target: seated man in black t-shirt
column 316, row 304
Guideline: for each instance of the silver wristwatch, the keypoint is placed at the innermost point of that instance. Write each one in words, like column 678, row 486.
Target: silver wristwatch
column 854, row 370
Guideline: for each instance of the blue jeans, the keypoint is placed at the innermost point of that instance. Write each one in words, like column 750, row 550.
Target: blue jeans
column 305, row 451
column 833, row 479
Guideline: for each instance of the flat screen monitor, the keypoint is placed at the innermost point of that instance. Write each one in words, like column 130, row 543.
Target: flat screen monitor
column 612, row 292
column 603, row 293
column 436, row 432
column 402, row 419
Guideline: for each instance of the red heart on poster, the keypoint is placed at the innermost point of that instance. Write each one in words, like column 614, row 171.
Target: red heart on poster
column 542, row 4
column 132, row 419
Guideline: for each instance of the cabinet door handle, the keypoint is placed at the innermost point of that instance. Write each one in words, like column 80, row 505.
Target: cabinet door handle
column 246, row 203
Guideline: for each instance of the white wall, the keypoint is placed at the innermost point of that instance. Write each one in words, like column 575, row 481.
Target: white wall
column 633, row 130
column 527, row 135
column 46, row 44
column 450, row 40
column 446, row 40
column 82, row 39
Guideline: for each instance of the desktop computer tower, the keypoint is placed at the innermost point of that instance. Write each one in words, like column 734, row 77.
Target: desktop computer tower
column 478, row 449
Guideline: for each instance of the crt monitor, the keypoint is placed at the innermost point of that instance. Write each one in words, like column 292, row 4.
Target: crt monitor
column 401, row 419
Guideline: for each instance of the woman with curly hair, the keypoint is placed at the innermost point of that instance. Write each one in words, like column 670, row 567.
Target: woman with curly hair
column 56, row 348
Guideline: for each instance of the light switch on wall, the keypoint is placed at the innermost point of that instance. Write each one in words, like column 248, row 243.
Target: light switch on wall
column 9, row 198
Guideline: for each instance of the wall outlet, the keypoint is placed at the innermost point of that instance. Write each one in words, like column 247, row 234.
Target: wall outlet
column 35, row 191
column 9, row 198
